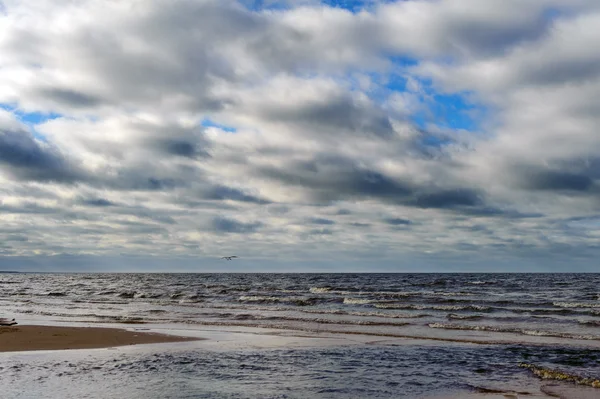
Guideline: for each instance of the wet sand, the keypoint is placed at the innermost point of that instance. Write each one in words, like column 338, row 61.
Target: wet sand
column 30, row 338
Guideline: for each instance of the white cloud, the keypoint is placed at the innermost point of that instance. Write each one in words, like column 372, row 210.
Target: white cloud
column 127, row 167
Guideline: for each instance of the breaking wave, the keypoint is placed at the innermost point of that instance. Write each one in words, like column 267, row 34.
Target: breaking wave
column 357, row 301
column 576, row 305
column 515, row 330
column 432, row 307
column 554, row 374
column 298, row 301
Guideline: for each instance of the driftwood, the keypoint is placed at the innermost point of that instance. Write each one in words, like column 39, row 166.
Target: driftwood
column 7, row 322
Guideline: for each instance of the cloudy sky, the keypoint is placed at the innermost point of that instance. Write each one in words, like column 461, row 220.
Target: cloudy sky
column 415, row 135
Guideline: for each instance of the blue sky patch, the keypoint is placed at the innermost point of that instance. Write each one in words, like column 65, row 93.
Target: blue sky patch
column 455, row 111
column 350, row 5
column 30, row 118
column 206, row 122
column 36, row 118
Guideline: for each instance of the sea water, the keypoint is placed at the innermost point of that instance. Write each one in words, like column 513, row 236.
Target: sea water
column 485, row 331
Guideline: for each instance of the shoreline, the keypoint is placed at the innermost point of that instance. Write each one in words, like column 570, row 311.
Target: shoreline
column 39, row 337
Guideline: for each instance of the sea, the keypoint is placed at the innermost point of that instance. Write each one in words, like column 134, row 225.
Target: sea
column 431, row 334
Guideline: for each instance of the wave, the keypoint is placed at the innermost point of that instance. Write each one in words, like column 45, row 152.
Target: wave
column 247, row 316
column 364, row 314
column 320, row 290
column 458, row 293
column 374, row 333
column 576, row 305
column 107, row 292
column 482, row 282
column 103, row 317
column 432, row 307
column 147, row 295
column 357, row 301
column 452, row 316
column 108, row 301
column 298, row 301
column 554, row 374
column 522, row 331
column 590, row 323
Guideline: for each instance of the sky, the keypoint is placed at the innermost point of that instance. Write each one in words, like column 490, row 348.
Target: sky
column 398, row 136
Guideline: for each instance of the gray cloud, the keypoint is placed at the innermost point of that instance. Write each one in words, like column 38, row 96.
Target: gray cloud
column 181, row 148
column 331, row 179
column 26, row 158
column 71, row 98
column 337, row 178
column 338, row 113
column 228, row 193
column 323, row 104
column 321, row 231
column 321, row 221
column 398, row 222
column 16, row 237
column 228, row 225
column 449, row 199
column 558, row 180
column 96, row 202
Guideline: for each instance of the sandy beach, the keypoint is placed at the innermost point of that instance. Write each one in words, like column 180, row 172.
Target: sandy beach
column 29, row 338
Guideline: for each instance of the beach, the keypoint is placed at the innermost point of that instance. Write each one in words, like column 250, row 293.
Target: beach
column 28, row 338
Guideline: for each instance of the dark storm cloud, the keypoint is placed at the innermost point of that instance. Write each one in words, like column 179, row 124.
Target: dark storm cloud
column 228, row 225
column 25, row 158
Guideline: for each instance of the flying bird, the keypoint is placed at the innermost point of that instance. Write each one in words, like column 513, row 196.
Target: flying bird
column 229, row 257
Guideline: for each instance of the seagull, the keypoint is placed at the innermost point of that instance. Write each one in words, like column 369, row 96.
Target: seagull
column 229, row 257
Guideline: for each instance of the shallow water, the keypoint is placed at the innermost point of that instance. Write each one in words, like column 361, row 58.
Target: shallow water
column 375, row 371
